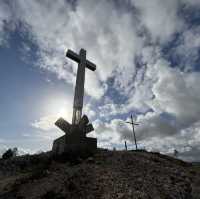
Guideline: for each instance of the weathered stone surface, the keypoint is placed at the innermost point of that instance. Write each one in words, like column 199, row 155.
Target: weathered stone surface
column 80, row 80
column 75, row 139
column 63, row 125
column 74, row 143
column 59, row 145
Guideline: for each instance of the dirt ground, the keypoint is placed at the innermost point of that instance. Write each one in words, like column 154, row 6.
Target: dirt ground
column 108, row 174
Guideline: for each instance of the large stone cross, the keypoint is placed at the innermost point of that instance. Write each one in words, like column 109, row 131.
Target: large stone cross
column 75, row 133
column 80, row 80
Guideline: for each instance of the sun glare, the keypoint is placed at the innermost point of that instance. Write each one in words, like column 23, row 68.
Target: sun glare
column 59, row 108
column 62, row 112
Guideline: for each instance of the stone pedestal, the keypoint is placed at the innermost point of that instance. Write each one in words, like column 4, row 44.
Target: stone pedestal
column 75, row 140
column 67, row 144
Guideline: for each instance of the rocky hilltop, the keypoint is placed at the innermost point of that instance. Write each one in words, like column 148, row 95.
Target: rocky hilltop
column 108, row 174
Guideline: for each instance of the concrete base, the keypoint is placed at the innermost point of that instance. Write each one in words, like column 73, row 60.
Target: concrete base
column 59, row 145
column 74, row 144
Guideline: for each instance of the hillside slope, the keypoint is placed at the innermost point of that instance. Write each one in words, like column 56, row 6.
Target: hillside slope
column 109, row 174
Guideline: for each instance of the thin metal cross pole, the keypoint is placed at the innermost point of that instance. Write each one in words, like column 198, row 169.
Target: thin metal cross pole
column 133, row 126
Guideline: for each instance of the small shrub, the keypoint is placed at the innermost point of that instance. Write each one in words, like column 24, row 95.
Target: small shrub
column 10, row 153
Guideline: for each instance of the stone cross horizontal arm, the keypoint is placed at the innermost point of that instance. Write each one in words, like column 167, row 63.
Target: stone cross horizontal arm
column 83, row 126
column 72, row 55
column 63, row 125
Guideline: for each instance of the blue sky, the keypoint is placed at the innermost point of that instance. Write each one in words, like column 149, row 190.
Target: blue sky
column 26, row 92
column 147, row 57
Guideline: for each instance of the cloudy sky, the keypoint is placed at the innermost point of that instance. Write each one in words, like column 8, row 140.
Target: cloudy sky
column 147, row 57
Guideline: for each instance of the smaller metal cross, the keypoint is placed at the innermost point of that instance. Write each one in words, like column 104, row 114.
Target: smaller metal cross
column 133, row 125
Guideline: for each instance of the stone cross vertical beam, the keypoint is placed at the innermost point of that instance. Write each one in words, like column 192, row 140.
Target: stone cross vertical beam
column 80, row 80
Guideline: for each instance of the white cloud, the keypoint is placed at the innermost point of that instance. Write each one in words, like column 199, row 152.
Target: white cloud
column 160, row 18
column 188, row 48
column 110, row 109
column 58, row 28
column 191, row 2
column 111, row 38
column 175, row 101
column 87, row 110
column 174, row 90
column 93, row 86
column 114, row 37
column 174, row 120
column 108, row 133
column 5, row 22
column 185, row 142
column 45, row 123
